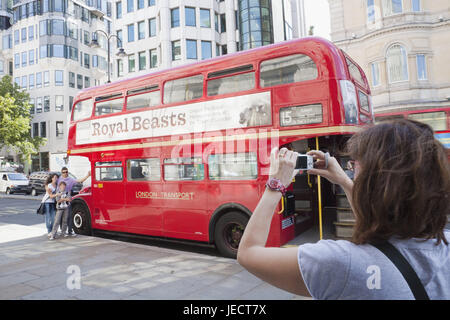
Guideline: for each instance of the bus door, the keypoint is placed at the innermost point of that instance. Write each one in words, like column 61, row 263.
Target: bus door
column 144, row 196
column 185, row 199
column 108, row 193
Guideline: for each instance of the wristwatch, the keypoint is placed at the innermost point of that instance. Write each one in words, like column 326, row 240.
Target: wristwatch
column 276, row 185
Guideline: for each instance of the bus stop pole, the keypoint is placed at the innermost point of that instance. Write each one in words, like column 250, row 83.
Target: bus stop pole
column 319, row 193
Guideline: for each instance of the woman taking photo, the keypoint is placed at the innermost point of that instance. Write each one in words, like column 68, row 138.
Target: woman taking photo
column 400, row 197
column 49, row 202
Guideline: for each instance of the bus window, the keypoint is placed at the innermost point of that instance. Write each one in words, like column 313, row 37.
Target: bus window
column 109, row 106
column 293, row 68
column 144, row 170
column 387, row 118
column 354, row 72
column 436, row 120
column 108, row 171
column 239, row 166
column 176, row 169
column 144, row 100
column 184, row 89
column 300, row 115
column 239, row 82
column 82, row 110
column 364, row 101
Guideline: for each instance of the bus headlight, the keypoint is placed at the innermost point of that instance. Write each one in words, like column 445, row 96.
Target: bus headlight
column 300, row 115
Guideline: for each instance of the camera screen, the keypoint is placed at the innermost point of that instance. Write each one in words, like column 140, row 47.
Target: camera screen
column 302, row 162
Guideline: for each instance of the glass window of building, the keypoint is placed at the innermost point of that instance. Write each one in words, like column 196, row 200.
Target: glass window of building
column 130, row 29
column 59, row 78
column 391, row 7
column 119, row 67
column 87, row 82
column 57, row 27
column 58, row 5
column 255, row 27
column 190, row 16
column 43, row 130
column 119, row 10
column 152, row 27
column 59, row 129
column 58, row 51
column 87, row 59
column 59, row 103
column 130, row 5
column 206, row 50
column 375, row 70
column 205, row 18
column 216, row 21
column 175, row 17
column 31, row 57
column 38, row 79
column 416, row 5
column 191, row 49
column 30, row 33
column 142, row 60
column 79, row 81
column 131, row 63
column 370, row 11
column 16, row 37
column 176, row 50
column 421, row 67
column 16, row 60
column 397, row 63
column 47, row 104
column 223, row 23
column 24, row 82
column 2, row 67
column 46, row 78
column 39, row 105
column 86, row 37
column 31, row 81
column 33, row 106
column 119, row 34
column 140, row 4
column 141, row 30
column 153, row 58
column 24, row 59
column 151, row 3
column 71, row 79
column 23, row 33
column 43, row 51
column 17, row 81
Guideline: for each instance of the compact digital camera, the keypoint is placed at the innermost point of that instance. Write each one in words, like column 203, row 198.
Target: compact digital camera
column 304, row 162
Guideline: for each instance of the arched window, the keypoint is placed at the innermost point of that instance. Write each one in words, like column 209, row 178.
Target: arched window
column 397, row 63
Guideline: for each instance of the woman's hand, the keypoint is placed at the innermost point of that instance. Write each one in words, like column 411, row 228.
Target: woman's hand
column 282, row 165
column 334, row 173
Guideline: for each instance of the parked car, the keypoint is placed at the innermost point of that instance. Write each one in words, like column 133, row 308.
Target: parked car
column 13, row 182
column 38, row 178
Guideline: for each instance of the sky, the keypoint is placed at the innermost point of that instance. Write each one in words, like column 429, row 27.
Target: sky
column 317, row 14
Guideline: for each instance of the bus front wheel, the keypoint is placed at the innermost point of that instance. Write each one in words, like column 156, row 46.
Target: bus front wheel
column 81, row 221
column 228, row 233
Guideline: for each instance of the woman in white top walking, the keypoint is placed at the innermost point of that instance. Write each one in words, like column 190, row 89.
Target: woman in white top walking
column 49, row 201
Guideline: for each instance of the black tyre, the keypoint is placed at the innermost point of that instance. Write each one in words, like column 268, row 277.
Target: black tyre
column 228, row 233
column 81, row 219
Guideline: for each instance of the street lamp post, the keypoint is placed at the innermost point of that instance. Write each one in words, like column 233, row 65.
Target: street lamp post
column 121, row 53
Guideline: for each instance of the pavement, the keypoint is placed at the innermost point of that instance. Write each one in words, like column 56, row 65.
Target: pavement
column 31, row 267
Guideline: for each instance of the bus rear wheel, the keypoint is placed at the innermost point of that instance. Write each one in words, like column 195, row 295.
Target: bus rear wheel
column 228, row 233
column 81, row 220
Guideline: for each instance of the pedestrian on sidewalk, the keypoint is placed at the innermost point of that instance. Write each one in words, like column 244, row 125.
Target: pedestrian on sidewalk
column 62, row 210
column 69, row 181
column 49, row 202
column 400, row 196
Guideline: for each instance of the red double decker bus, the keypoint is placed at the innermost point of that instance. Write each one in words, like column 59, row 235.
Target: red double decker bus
column 184, row 153
column 437, row 118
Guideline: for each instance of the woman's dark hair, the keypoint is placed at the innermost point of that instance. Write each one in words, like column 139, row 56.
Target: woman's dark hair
column 403, row 186
column 50, row 178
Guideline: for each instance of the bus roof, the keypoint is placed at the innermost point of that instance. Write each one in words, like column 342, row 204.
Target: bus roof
column 312, row 45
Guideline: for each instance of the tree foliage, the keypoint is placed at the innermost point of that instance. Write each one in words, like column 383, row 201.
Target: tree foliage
column 15, row 120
